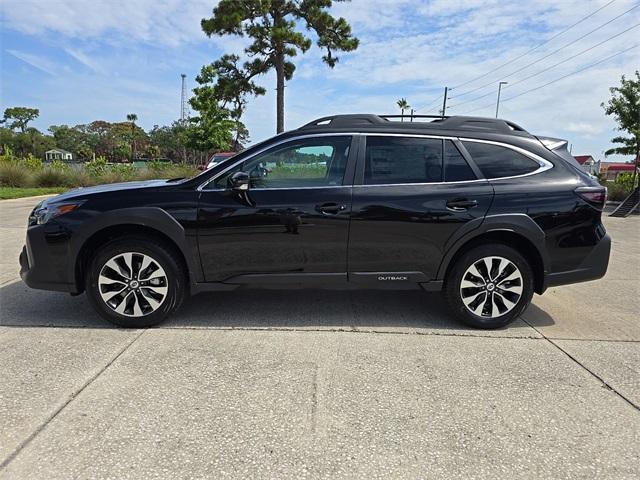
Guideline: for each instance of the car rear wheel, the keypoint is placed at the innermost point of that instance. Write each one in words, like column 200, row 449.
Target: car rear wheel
column 489, row 286
column 135, row 282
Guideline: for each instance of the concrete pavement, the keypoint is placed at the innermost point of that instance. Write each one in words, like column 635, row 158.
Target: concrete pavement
column 321, row 384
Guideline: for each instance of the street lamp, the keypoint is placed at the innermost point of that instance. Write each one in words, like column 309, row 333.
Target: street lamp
column 498, row 102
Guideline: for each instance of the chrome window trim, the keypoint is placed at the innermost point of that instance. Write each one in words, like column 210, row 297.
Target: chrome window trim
column 544, row 164
column 477, row 180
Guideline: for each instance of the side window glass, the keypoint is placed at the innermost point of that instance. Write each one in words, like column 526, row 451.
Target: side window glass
column 496, row 161
column 390, row 160
column 221, row 181
column 313, row 162
column 456, row 168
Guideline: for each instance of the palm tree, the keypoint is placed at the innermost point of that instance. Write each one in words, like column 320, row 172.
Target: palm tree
column 132, row 117
column 403, row 105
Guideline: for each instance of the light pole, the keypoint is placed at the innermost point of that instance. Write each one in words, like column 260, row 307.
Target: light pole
column 498, row 102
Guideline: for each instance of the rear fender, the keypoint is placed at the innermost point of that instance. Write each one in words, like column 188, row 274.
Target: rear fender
column 517, row 223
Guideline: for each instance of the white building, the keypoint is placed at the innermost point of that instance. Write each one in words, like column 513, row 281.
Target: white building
column 57, row 154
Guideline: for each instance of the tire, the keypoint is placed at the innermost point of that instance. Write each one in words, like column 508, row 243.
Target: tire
column 135, row 282
column 498, row 286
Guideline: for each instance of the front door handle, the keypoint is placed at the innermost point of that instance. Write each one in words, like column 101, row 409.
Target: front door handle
column 330, row 208
column 461, row 204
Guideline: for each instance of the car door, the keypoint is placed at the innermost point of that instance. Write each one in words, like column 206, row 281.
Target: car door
column 291, row 224
column 411, row 195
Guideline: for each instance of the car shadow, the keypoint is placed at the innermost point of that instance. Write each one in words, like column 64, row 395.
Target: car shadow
column 368, row 310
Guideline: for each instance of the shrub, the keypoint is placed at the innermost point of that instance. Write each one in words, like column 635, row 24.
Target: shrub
column 59, row 165
column 50, row 177
column 79, row 178
column 125, row 171
column 616, row 192
column 111, row 176
column 625, row 180
column 32, row 163
column 13, row 175
column 97, row 167
column 7, row 154
column 158, row 167
column 179, row 170
column 157, row 170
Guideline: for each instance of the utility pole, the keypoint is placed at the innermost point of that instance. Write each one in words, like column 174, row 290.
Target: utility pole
column 183, row 111
column 444, row 101
column 183, row 99
column 498, row 102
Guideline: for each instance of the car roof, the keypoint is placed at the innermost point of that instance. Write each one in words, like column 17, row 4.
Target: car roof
column 414, row 124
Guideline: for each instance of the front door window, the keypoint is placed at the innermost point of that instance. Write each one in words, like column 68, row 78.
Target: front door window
column 304, row 163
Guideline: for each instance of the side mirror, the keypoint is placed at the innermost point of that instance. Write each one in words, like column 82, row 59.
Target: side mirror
column 239, row 181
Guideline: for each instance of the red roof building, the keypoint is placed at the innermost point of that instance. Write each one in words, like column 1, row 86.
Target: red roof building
column 582, row 159
column 612, row 170
column 588, row 164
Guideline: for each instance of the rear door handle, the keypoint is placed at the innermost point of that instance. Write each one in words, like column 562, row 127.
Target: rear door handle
column 330, row 208
column 461, row 204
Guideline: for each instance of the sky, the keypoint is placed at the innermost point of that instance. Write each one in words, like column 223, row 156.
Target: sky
column 83, row 60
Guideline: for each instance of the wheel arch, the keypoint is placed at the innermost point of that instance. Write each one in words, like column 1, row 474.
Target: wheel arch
column 516, row 231
column 147, row 222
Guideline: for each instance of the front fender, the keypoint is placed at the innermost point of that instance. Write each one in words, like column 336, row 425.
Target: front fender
column 150, row 217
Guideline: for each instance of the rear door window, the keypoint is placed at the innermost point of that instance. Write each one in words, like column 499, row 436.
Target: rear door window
column 456, row 168
column 393, row 160
column 496, row 161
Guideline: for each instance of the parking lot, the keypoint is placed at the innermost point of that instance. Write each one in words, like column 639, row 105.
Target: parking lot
column 321, row 384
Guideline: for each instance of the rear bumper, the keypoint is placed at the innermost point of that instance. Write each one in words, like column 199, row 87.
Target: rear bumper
column 593, row 267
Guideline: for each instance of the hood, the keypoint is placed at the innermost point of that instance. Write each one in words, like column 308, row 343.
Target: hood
column 109, row 187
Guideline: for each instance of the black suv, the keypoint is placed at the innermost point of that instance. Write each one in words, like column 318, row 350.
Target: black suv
column 478, row 208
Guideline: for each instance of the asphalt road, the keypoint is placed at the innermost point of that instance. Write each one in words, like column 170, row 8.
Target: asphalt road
column 321, row 384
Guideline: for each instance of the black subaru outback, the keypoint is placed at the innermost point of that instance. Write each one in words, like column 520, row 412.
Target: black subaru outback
column 478, row 208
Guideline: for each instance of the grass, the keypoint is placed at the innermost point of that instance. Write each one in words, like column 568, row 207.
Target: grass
column 20, row 192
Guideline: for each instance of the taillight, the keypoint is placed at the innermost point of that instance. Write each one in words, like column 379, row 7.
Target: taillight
column 596, row 196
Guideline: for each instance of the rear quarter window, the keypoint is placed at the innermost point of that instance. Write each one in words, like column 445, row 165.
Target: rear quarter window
column 496, row 162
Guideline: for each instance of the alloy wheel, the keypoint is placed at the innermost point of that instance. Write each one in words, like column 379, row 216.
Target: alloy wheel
column 491, row 287
column 133, row 284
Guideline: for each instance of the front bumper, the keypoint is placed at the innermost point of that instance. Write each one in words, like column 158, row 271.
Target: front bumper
column 44, row 260
column 593, row 267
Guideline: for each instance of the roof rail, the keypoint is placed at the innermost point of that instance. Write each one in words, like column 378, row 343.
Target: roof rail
column 350, row 120
column 437, row 121
column 410, row 116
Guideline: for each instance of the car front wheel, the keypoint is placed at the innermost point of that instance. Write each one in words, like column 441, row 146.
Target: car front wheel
column 135, row 282
column 489, row 286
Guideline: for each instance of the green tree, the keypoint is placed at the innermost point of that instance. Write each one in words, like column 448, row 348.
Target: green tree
column 132, row 117
column 211, row 129
column 624, row 106
column 274, row 25
column 231, row 85
column 100, row 138
column 39, row 142
column 19, row 117
column 74, row 139
column 167, row 141
column 402, row 105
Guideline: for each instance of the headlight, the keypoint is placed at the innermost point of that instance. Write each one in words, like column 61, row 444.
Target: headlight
column 43, row 213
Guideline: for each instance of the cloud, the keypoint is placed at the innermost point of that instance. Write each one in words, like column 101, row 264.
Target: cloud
column 85, row 60
column 37, row 61
column 166, row 22
column 585, row 128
